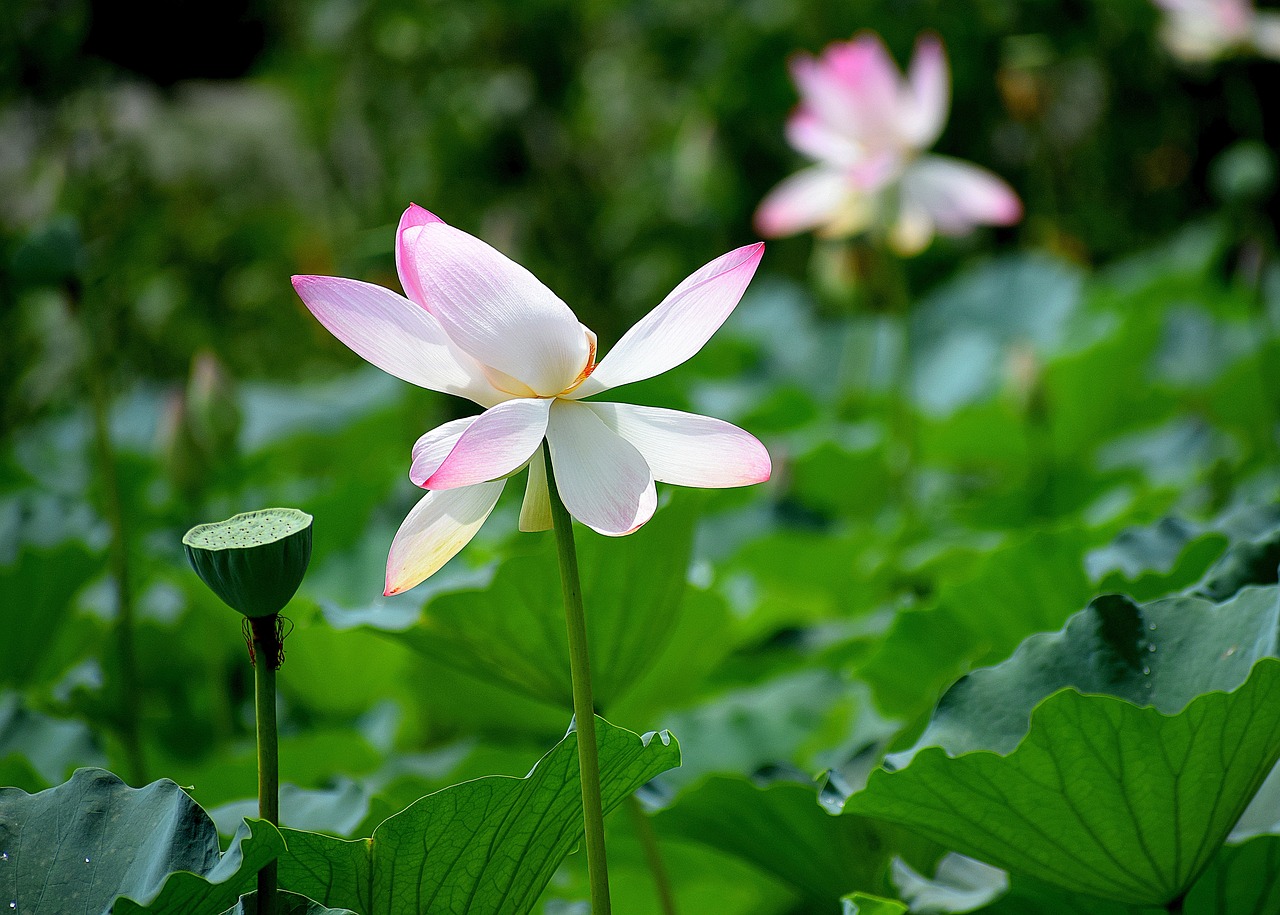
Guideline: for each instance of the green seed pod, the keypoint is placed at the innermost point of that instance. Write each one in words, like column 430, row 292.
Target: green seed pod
column 253, row 561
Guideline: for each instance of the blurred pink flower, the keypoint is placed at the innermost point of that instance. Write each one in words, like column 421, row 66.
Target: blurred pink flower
column 866, row 128
column 1198, row 31
column 478, row 325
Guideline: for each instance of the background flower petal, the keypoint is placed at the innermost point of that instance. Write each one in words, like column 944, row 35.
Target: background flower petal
column 431, row 449
column 603, row 480
column 688, row 449
column 681, row 323
column 497, row 311
column 394, row 334
column 801, row 202
column 495, row 444
column 928, row 95
column 413, row 216
column 440, row 525
column 535, row 510
column 958, row 195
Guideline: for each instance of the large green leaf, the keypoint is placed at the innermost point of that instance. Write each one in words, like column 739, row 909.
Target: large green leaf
column 1162, row 654
column 78, row 846
column 485, row 846
column 1102, row 796
column 512, row 631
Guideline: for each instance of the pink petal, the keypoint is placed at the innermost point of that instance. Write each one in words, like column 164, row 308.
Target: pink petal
column 958, row 195
column 808, row 199
column 413, row 216
column 928, row 97
column 604, row 481
column 497, row 311
column 687, row 449
column 872, row 86
column 431, row 449
column 440, row 525
column 394, row 334
column 680, row 325
column 496, row 444
column 535, row 510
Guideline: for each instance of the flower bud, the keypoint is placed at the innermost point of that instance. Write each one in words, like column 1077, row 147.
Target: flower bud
column 253, row 561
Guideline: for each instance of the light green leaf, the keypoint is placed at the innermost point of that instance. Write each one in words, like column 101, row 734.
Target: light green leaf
column 862, row 904
column 485, row 847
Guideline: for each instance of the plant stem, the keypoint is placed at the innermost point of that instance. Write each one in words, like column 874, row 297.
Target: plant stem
column 266, row 654
column 130, row 692
column 583, row 707
column 653, row 856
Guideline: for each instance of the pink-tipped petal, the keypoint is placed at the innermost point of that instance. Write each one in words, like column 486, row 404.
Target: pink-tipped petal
column 604, row 481
column 497, row 311
column 394, row 334
column 924, row 109
column 803, row 201
column 680, row 325
column 440, row 525
column 958, row 195
column 535, row 510
column 413, row 216
column 431, row 449
column 496, row 444
column 687, row 449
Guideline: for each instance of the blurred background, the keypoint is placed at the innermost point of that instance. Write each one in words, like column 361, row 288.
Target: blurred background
column 165, row 168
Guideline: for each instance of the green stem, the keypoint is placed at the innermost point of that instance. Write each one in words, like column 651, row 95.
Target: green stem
column 583, row 707
column 266, row 654
column 653, row 855
column 130, row 692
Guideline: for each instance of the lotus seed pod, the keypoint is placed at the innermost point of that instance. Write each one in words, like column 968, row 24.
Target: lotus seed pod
column 253, row 561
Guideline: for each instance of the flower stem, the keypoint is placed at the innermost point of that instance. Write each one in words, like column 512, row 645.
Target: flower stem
column 583, row 707
column 266, row 657
column 653, row 856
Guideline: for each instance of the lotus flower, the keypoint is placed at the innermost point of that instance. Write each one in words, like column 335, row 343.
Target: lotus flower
column 478, row 325
column 866, row 128
column 1198, row 31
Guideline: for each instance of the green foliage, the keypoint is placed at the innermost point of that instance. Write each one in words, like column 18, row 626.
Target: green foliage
column 93, row 839
column 486, row 846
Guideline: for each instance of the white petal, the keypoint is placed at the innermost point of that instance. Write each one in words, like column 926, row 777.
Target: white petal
column 440, row 525
column 958, row 195
column 395, row 335
column 680, row 325
column 603, row 480
column 687, row 449
column 928, row 95
column 431, row 449
column 811, row 135
column 496, row 444
column 535, row 511
column 497, row 311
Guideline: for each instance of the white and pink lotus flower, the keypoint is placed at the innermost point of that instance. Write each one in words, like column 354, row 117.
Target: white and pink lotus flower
column 867, row 129
column 1199, row 31
column 480, row 326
